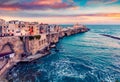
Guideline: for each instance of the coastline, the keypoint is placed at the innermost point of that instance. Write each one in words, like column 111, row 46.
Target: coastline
column 11, row 63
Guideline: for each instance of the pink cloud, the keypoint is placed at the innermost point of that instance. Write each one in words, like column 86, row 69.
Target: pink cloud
column 46, row 2
column 36, row 5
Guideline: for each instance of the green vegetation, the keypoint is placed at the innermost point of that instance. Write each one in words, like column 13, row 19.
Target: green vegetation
column 21, row 38
column 37, row 37
column 33, row 37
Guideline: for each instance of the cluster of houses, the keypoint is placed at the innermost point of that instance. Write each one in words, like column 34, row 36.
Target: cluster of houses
column 39, row 37
column 21, row 28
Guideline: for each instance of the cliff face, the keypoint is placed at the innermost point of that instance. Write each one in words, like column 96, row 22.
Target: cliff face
column 15, row 45
column 11, row 44
column 53, row 38
column 36, row 44
column 26, row 45
column 30, row 45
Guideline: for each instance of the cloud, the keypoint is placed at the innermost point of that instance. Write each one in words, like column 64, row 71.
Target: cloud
column 33, row 4
column 103, row 15
column 46, row 2
column 97, row 2
column 111, row 1
column 8, row 2
column 49, row 13
column 85, row 19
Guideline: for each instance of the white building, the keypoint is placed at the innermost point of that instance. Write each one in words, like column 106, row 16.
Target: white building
column 78, row 26
column 13, row 29
column 17, row 28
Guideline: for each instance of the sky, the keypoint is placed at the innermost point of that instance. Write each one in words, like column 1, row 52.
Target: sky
column 62, row 11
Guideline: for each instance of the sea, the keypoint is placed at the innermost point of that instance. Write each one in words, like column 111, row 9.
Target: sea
column 83, row 57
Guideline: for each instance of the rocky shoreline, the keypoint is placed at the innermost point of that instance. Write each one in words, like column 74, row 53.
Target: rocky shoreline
column 52, row 39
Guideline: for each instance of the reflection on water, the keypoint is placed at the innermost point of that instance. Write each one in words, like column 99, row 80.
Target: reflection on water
column 85, row 57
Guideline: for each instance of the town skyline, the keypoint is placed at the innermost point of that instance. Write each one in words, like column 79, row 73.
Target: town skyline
column 62, row 11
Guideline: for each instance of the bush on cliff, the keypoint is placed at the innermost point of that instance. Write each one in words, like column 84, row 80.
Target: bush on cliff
column 31, row 37
column 21, row 38
column 37, row 37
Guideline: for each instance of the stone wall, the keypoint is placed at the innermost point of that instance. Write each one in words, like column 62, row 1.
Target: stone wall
column 53, row 37
column 36, row 45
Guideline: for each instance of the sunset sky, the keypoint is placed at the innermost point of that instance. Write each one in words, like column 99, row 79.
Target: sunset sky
column 62, row 11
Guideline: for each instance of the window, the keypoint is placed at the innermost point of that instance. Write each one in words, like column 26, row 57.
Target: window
column 42, row 41
column 39, row 42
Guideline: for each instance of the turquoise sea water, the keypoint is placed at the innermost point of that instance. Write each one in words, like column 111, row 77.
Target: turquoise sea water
column 84, row 57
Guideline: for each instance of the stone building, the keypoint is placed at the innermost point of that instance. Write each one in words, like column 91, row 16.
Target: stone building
column 18, row 28
column 44, row 28
column 3, row 27
column 78, row 26
column 36, row 43
column 57, row 28
column 33, row 29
